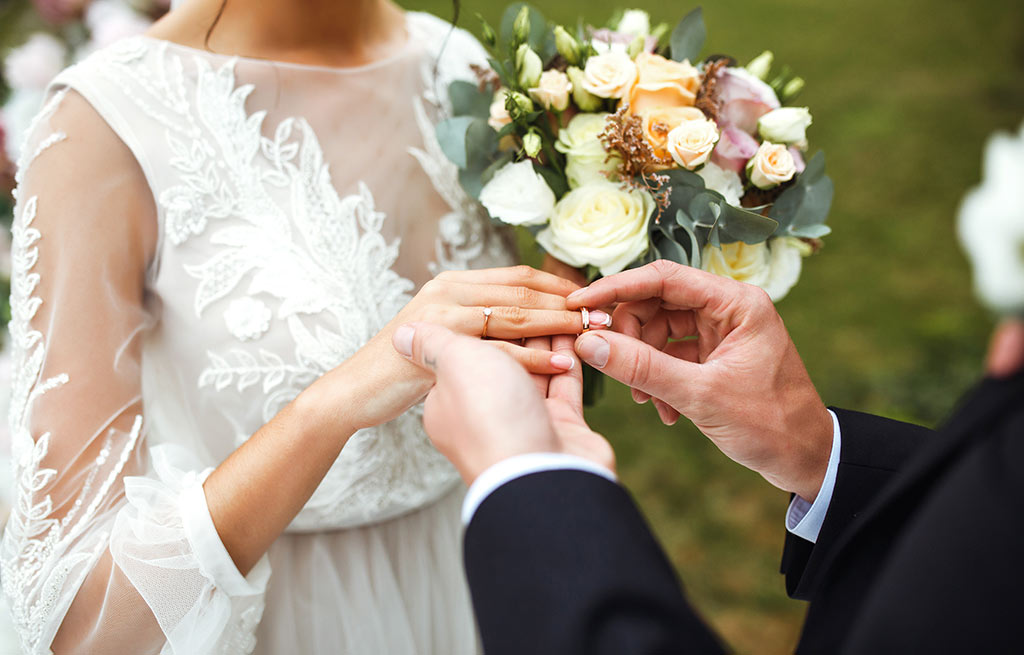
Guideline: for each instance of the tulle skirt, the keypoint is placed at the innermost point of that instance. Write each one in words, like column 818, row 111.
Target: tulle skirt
column 393, row 588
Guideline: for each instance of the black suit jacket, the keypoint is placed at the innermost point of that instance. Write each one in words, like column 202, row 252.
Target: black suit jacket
column 922, row 550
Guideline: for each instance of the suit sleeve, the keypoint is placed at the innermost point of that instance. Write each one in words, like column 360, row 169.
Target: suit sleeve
column 873, row 450
column 561, row 562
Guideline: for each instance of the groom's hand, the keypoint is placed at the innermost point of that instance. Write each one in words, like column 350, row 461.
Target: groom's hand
column 484, row 406
column 716, row 351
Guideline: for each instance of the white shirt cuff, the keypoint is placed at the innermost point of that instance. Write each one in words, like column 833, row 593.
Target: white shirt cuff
column 516, row 467
column 804, row 519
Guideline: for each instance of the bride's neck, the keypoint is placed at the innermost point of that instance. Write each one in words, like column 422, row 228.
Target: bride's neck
column 320, row 32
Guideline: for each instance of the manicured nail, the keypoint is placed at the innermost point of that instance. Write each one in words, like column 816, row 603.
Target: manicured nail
column 593, row 349
column 402, row 339
column 563, row 362
column 599, row 318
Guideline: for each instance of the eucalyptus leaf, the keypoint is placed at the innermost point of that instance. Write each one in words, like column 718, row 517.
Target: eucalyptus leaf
column 471, row 181
column 451, row 135
column 801, row 209
column 468, row 100
column 688, row 36
column 481, row 144
column 746, row 226
column 672, row 251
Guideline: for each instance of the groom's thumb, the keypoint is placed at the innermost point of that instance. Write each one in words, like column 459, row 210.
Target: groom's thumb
column 638, row 365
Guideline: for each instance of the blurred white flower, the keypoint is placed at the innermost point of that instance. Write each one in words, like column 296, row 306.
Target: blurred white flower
column 991, row 225
column 724, row 181
column 636, row 22
column 32, row 65
column 110, row 21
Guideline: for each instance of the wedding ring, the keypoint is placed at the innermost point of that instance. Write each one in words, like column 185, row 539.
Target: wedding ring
column 586, row 318
column 487, row 319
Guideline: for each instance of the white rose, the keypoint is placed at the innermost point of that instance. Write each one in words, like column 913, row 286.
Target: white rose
column 552, row 92
column 586, row 160
column 991, row 226
column 690, row 143
column 772, row 165
column 774, row 265
column 499, row 117
column 785, row 125
column 609, row 75
column 518, row 195
column 600, row 224
column 31, row 66
column 636, row 22
column 724, row 181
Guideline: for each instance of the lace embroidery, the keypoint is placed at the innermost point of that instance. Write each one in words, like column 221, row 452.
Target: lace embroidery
column 247, row 318
column 35, row 544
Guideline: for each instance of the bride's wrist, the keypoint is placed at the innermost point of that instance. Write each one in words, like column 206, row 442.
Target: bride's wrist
column 324, row 409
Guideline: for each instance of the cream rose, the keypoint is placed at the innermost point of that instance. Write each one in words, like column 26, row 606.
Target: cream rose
column 690, row 143
column 659, row 122
column 518, row 195
column 552, row 91
column 586, row 160
column 662, row 82
column 772, row 165
column 499, row 117
column 600, row 224
column 609, row 75
column 774, row 265
column 785, row 125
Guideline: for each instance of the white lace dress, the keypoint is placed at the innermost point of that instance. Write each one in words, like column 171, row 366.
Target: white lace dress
column 197, row 238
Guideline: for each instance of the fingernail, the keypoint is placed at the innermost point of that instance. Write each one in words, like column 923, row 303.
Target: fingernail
column 563, row 362
column 594, row 350
column 578, row 293
column 403, row 339
column 597, row 317
column 639, row 397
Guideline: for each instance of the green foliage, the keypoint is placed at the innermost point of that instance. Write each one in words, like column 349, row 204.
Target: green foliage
column 802, row 208
column 468, row 100
column 688, row 36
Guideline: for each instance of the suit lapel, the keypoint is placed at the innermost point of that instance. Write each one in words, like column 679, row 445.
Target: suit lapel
column 980, row 407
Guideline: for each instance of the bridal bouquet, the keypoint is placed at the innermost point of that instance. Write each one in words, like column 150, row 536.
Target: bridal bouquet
column 618, row 146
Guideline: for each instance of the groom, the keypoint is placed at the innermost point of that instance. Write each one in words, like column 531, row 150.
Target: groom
column 903, row 540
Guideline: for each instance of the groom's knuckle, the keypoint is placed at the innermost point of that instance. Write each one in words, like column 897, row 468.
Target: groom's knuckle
column 638, row 366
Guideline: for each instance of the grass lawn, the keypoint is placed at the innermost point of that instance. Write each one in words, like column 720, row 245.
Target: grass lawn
column 903, row 96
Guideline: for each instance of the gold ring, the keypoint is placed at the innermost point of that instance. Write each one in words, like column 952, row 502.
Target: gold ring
column 586, row 318
column 487, row 319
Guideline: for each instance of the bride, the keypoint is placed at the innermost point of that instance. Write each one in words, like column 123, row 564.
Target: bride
column 217, row 449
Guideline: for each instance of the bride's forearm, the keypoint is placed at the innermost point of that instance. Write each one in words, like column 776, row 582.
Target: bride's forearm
column 256, row 492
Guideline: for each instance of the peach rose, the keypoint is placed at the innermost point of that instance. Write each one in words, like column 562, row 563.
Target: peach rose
column 663, row 83
column 552, row 91
column 610, row 75
column 691, row 142
column 772, row 165
column 658, row 122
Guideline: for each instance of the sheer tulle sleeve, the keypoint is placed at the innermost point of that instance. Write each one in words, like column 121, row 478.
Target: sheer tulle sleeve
column 110, row 547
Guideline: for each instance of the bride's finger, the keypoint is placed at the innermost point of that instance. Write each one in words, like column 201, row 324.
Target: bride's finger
column 475, row 295
column 540, row 362
column 518, row 276
column 567, row 387
column 515, row 322
column 542, row 344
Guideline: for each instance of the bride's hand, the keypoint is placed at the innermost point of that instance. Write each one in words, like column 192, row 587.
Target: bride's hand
column 376, row 384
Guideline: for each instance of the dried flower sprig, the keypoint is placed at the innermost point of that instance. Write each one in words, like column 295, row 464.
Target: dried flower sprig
column 707, row 95
column 624, row 134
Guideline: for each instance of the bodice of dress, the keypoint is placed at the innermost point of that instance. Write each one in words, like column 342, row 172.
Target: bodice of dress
column 299, row 209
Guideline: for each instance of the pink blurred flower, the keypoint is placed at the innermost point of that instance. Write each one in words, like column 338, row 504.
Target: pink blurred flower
column 59, row 12
column 745, row 98
column 798, row 159
column 605, row 40
column 735, row 147
column 31, row 66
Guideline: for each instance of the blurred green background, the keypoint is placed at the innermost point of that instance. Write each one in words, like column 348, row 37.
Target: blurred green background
column 903, row 95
